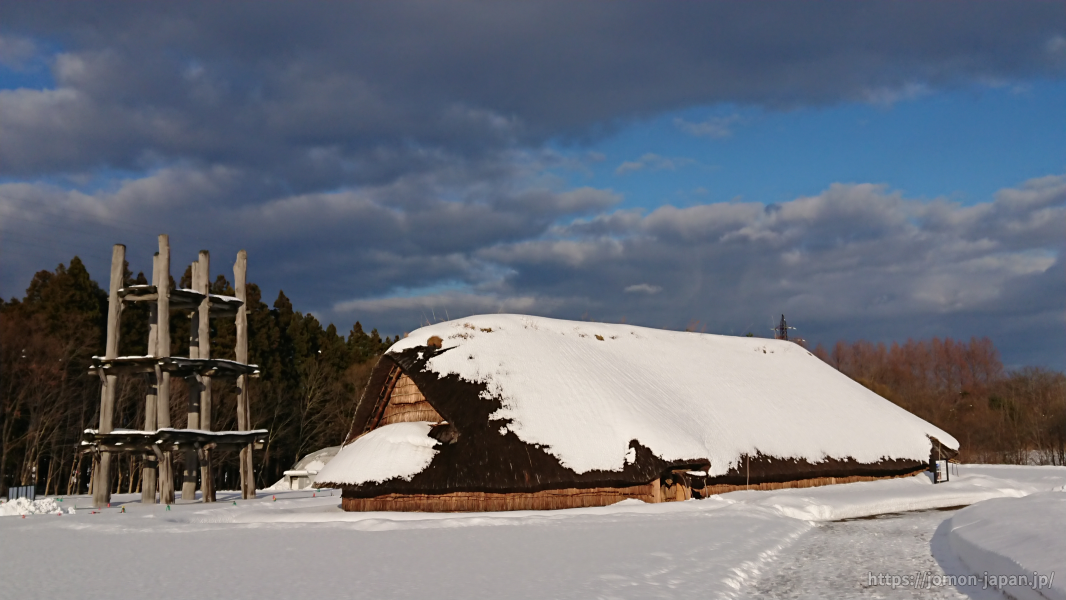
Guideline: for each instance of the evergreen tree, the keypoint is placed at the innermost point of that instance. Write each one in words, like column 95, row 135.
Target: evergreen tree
column 264, row 338
column 133, row 328
column 68, row 300
column 377, row 347
column 45, row 397
column 180, row 321
column 359, row 344
column 284, row 308
column 335, row 350
column 223, row 331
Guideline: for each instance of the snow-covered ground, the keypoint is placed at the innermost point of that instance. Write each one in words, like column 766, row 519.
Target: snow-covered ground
column 1020, row 540
column 788, row 544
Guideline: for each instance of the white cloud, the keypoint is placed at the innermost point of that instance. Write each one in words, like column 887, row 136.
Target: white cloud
column 1057, row 45
column 886, row 96
column 643, row 288
column 451, row 304
column 715, row 127
column 653, row 162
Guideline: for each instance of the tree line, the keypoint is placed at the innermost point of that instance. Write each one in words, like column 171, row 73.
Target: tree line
column 310, row 378
column 998, row 416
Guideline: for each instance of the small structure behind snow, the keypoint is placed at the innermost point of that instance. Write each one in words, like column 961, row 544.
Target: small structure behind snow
column 302, row 474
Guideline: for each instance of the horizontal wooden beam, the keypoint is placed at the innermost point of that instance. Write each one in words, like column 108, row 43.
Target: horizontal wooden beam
column 148, row 442
column 175, row 365
column 183, row 300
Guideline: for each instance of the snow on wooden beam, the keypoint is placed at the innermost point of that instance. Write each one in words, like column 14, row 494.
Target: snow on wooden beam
column 175, row 365
column 183, row 299
column 135, row 440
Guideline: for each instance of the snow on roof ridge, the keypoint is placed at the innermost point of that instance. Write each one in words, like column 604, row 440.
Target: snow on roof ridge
column 683, row 395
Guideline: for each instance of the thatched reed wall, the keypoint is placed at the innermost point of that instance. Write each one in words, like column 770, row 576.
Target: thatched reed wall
column 570, row 497
column 485, row 501
column 798, row 483
column 406, row 404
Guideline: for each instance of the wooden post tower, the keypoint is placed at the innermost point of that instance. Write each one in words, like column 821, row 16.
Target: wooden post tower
column 158, row 441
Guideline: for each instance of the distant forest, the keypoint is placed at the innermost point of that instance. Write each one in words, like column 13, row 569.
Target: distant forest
column 311, row 378
column 998, row 416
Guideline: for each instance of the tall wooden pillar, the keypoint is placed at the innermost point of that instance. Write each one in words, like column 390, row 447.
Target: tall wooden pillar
column 191, row 469
column 244, row 414
column 192, row 463
column 166, row 470
column 102, row 463
column 148, row 471
column 207, row 480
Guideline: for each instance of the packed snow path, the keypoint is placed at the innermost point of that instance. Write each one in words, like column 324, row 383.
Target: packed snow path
column 835, row 559
column 789, row 543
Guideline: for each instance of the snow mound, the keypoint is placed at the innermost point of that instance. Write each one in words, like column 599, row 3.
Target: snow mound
column 683, row 395
column 1015, row 539
column 400, row 450
column 25, row 506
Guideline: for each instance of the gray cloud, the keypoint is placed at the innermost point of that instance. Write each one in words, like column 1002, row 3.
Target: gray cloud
column 326, row 94
column 416, row 231
column 856, row 260
column 16, row 51
column 371, row 155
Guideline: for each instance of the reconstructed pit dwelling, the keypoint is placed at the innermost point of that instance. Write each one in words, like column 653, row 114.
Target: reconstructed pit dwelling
column 508, row 412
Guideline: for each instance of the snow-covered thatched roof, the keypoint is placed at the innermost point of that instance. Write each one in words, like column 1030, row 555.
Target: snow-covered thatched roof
column 582, row 392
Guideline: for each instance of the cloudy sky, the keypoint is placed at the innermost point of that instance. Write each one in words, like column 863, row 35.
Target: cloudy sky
column 873, row 170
